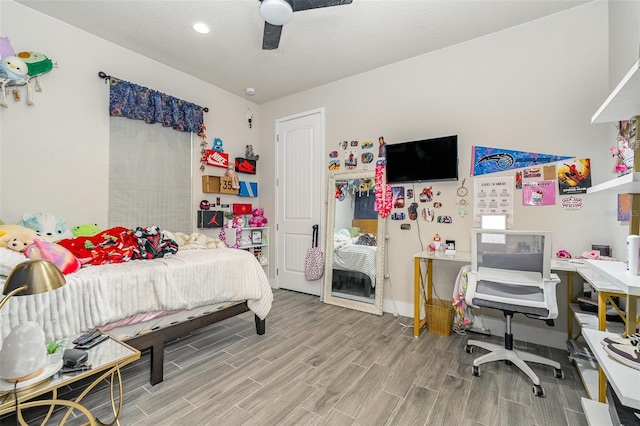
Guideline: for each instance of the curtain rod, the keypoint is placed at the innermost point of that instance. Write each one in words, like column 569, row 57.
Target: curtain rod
column 103, row 75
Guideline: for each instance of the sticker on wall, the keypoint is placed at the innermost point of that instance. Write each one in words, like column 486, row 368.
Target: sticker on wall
column 398, row 216
column 351, row 160
column 333, row 154
column 571, row 203
column 382, row 147
column 354, row 144
column 518, row 180
column 366, row 157
column 574, row 177
column 624, row 207
column 341, row 192
column 344, row 144
column 533, row 172
column 437, row 205
column 428, row 214
column 397, row 197
column 405, row 226
column 409, row 193
column 486, row 160
column 540, row 193
column 367, row 145
column 334, row 165
column 426, row 194
column 413, row 211
column 445, row 219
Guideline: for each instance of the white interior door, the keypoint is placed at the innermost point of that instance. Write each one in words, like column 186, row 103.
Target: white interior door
column 300, row 178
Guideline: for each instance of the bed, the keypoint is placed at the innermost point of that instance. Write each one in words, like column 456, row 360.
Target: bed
column 148, row 302
column 354, row 257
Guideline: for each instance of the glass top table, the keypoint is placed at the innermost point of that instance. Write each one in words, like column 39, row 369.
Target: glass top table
column 106, row 359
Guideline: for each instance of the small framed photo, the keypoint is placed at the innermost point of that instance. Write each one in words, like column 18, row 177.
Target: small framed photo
column 450, row 246
column 256, row 237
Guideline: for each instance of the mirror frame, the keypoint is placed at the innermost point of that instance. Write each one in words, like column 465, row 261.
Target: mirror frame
column 373, row 308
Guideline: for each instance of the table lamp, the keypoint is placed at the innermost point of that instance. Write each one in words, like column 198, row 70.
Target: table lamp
column 23, row 355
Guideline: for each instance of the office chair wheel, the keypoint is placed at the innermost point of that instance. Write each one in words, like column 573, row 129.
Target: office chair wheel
column 558, row 373
column 468, row 349
column 537, row 390
column 475, row 371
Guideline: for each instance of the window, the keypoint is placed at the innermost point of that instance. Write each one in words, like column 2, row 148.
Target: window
column 150, row 176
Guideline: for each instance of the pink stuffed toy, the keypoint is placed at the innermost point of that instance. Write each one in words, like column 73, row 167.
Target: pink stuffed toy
column 55, row 253
column 257, row 220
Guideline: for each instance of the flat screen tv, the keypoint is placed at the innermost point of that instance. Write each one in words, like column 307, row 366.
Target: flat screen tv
column 423, row 160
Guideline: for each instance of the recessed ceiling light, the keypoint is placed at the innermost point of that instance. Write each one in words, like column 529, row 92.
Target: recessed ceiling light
column 201, row 28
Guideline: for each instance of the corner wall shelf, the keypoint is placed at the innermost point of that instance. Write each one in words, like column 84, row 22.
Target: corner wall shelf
column 624, row 101
column 626, row 184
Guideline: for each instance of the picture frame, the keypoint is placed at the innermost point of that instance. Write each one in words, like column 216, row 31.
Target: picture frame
column 450, row 247
column 256, row 237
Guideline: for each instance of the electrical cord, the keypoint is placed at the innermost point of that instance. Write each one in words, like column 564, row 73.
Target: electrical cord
column 15, row 397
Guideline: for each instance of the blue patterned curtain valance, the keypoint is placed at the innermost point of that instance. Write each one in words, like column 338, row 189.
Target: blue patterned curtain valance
column 141, row 103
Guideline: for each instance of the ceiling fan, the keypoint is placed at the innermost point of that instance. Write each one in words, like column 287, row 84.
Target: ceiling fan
column 276, row 13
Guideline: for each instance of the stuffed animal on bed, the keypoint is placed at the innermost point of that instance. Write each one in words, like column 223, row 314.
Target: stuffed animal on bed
column 49, row 227
column 86, row 230
column 15, row 237
column 55, row 253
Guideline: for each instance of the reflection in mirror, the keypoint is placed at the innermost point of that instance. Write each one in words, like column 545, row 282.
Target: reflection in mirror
column 354, row 273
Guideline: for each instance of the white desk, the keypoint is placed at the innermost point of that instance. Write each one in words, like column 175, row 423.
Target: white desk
column 465, row 257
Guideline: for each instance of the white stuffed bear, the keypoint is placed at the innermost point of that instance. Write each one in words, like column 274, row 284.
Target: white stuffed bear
column 49, row 227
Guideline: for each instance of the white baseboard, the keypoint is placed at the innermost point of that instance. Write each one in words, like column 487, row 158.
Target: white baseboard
column 546, row 336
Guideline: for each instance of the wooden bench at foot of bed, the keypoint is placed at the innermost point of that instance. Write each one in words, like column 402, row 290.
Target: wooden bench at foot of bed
column 155, row 340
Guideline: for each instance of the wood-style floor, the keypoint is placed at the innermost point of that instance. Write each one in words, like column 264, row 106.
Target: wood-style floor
column 323, row 365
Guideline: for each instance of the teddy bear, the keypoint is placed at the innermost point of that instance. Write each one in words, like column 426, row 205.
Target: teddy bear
column 250, row 155
column 16, row 237
column 49, row 227
column 235, row 181
column 257, row 220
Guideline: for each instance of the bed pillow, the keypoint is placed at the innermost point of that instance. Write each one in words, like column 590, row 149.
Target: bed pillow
column 9, row 259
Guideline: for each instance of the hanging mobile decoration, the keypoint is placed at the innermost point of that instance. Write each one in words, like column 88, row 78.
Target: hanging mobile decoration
column 203, row 146
column 461, row 200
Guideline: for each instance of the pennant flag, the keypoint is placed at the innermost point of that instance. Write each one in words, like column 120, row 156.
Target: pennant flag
column 486, row 160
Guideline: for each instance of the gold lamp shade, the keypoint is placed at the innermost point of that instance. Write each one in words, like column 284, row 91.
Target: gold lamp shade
column 32, row 277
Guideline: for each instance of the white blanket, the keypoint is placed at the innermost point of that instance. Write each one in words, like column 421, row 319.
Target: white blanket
column 98, row 295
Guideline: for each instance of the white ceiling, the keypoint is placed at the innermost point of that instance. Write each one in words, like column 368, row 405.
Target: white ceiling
column 318, row 46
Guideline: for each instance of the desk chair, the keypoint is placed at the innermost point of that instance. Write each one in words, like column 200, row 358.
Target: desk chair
column 510, row 271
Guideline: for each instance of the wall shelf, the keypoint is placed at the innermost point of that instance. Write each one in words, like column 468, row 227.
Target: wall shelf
column 624, row 101
column 627, row 184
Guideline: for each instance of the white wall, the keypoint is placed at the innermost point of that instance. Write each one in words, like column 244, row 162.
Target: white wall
column 532, row 88
column 55, row 154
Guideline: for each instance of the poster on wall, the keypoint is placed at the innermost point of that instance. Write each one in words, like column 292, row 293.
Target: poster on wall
column 540, row 193
column 485, row 160
column 493, row 196
column 574, row 176
column 624, row 207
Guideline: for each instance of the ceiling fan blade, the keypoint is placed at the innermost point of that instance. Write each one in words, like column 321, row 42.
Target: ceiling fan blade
column 271, row 36
column 315, row 4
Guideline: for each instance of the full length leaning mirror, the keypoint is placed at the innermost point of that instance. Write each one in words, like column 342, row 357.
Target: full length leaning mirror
column 355, row 240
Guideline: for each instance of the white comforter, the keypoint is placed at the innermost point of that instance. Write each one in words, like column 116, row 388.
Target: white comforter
column 98, row 295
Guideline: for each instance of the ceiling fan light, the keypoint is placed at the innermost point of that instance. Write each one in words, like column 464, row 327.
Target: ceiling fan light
column 276, row 12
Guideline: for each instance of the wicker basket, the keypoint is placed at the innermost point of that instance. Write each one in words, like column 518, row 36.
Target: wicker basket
column 440, row 317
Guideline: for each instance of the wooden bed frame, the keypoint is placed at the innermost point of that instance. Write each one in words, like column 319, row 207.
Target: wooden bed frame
column 155, row 340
